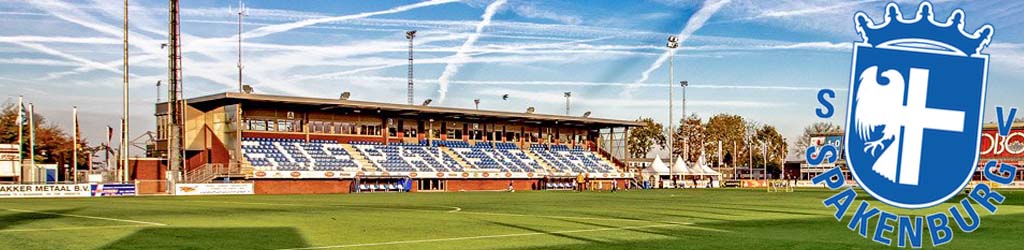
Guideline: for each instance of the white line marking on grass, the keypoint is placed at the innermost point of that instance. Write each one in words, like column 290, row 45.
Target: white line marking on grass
column 87, row 217
column 484, row 237
column 68, row 228
column 454, row 210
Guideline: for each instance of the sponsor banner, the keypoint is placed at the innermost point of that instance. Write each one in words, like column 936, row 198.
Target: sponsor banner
column 753, row 183
column 460, row 175
column 28, row 191
column 113, row 190
column 214, row 189
column 1016, row 184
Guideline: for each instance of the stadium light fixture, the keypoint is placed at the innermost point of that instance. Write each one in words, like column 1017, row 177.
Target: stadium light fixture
column 504, row 97
column 586, row 114
column 345, row 95
column 476, row 102
column 427, row 102
column 530, row 110
column 247, row 89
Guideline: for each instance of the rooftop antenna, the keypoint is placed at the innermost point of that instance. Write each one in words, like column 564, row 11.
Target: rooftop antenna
column 410, row 35
column 241, row 13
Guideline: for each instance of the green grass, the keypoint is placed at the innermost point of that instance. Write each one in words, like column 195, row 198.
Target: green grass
column 656, row 219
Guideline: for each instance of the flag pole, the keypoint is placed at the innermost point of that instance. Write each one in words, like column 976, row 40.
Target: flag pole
column 21, row 139
column 74, row 143
column 32, row 137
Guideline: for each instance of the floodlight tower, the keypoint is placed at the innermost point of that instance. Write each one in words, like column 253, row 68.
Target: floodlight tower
column 124, row 109
column 673, row 43
column 174, row 106
column 410, row 35
column 241, row 12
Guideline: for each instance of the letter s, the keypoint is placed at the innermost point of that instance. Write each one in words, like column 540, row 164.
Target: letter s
column 829, row 109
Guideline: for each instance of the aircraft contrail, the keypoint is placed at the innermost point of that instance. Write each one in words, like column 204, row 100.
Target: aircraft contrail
column 696, row 22
column 272, row 29
column 453, row 67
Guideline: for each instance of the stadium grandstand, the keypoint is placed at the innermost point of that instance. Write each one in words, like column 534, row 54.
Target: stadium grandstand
column 286, row 144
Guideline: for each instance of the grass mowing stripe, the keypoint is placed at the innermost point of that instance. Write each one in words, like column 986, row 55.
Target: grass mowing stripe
column 495, row 236
column 69, row 228
column 87, row 217
column 455, row 210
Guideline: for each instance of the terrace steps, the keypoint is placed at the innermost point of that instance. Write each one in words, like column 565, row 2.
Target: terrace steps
column 458, row 158
column 359, row 158
column 535, row 158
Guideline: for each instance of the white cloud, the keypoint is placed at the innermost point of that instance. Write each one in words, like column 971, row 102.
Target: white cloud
column 531, row 10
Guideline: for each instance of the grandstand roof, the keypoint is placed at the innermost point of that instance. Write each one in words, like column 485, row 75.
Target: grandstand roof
column 229, row 98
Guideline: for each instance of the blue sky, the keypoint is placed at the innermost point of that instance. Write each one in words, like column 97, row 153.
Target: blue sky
column 764, row 60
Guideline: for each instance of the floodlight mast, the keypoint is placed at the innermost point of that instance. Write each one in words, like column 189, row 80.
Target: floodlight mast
column 673, row 43
column 410, row 35
column 174, row 106
column 241, row 12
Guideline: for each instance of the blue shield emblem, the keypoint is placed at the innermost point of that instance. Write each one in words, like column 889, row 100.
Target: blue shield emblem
column 916, row 100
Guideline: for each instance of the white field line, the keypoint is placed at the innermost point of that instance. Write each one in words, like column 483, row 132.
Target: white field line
column 490, row 237
column 68, row 228
column 454, row 210
column 88, row 217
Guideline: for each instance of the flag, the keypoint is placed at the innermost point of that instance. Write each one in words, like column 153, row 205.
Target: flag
column 78, row 132
column 110, row 134
column 22, row 116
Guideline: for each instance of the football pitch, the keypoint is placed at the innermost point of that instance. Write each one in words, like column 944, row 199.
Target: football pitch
column 638, row 219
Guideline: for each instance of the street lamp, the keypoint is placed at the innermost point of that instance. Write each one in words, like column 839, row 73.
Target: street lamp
column 673, row 43
column 476, row 102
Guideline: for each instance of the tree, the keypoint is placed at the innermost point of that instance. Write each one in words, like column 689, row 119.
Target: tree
column 817, row 128
column 729, row 129
column 690, row 135
column 642, row 139
column 52, row 145
column 767, row 136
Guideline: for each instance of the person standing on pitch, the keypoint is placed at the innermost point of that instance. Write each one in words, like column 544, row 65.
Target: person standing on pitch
column 615, row 185
column 579, row 182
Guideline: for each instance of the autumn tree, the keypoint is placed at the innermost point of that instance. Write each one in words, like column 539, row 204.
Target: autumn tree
column 642, row 139
column 52, row 144
column 814, row 129
column 767, row 138
column 689, row 137
column 729, row 129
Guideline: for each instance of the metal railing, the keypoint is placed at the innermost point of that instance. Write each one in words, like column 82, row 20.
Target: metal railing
column 210, row 171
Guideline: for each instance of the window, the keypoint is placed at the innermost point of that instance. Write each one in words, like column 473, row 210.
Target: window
column 258, row 125
column 316, row 126
column 284, row 126
column 271, row 126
